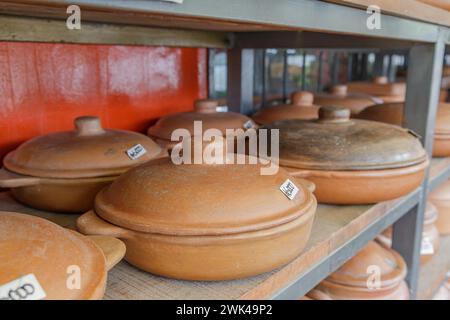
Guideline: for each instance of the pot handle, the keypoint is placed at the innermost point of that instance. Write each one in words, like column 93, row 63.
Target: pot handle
column 91, row 224
column 316, row 294
column 311, row 186
column 113, row 249
column 9, row 179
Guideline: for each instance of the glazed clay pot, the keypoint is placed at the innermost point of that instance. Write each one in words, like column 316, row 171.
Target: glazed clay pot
column 174, row 227
column 393, row 113
column 351, row 161
column 440, row 197
column 32, row 245
column 206, row 111
column 430, row 235
column 380, row 88
column 63, row 171
column 301, row 107
column 355, row 280
column 339, row 96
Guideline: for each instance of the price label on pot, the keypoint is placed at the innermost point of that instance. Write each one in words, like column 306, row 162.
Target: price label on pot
column 23, row 288
column 426, row 247
column 248, row 125
column 289, row 189
column 136, row 152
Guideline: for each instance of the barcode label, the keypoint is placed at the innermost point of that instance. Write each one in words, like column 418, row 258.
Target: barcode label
column 426, row 247
column 248, row 124
column 23, row 288
column 136, row 152
column 289, row 189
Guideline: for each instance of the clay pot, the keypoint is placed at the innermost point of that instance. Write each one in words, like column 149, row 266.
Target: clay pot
column 203, row 222
column 430, row 235
column 440, row 197
column 339, row 96
column 392, row 113
column 206, row 111
column 443, row 4
column 351, row 161
column 32, row 245
column 380, row 88
column 301, row 107
column 353, row 281
column 442, row 294
column 63, row 171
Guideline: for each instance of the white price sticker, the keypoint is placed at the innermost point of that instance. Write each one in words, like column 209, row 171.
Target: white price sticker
column 248, row 125
column 23, row 288
column 426, row 247
column 136, row 152
column 289, row 189
column 222, row 109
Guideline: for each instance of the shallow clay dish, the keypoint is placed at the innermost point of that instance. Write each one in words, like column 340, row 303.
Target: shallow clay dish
column 351, row 161
column 203, row 222
column 32, row 245
column 206, row 111
column 380, row 88
column 63, row 171
column 353, row 281
column 339, row 96
column 393, row 113
column 430, row 235
column 301, row 107
column 440, row 197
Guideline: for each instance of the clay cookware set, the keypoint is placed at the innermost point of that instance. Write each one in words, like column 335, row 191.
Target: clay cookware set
column 440, row 197
column 34, row 247
column 430, row 235
column 206, row 111
column 339, row 96
column 301, row 107
column 64, row 171
column 351, row 161
column 356, row 279
column 393, row 113
column 241, row 226
column 380, row 88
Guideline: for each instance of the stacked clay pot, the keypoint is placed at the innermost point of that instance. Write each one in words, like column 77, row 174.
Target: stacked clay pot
column 380, row 88
column 440, row 197
column 63, row 171
column 375, row 273
column 430, row 235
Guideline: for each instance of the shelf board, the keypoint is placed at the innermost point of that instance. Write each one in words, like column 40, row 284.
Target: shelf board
column 339, row 232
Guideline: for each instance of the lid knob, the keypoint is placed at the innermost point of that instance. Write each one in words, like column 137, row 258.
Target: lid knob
column 380, row 80
column 206, row 106
column 333, row 114
column 302, row 98
column 340, row 90
column 88, row 126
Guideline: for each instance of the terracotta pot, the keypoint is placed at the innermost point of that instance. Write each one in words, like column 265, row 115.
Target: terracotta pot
column 63, row 171
column 430, row 235
column 32, row 245
column 352, row 280
column 380, row 88
column 173, row 227
column 206, row 111
column 339, row 96
column 301, row 107
column 392, row 113
column 443, row 4
column 440, row 197
column 351, row 161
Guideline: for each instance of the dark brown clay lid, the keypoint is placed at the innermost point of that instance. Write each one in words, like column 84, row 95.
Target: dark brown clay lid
column 32, row 245
column 201, row 199
column 354, row 273
column 88, row 151
column 205, row 111
column 335, row 142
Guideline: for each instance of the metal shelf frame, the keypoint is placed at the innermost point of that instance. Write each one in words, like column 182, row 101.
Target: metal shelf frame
column 243, row 26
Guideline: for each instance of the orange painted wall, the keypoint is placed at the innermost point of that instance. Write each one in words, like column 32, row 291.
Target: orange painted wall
column 43, row 87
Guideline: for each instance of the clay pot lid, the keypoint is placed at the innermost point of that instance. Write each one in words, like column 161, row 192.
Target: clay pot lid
column 354, row 272
column 339, row 96
column 87, row 151
column 335, row 142
column 379, row 86
column 32, row 245
column 200, row 199
column 205, row 111
column 442, row 126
